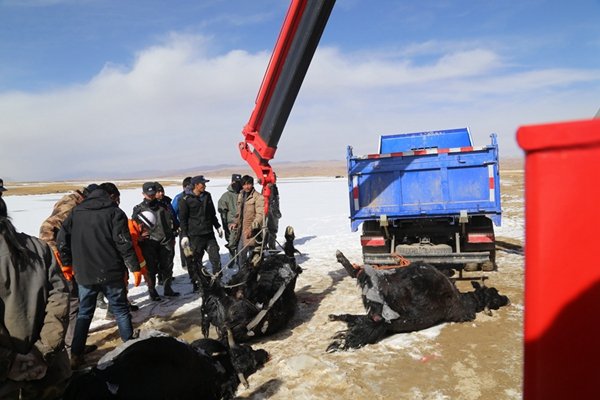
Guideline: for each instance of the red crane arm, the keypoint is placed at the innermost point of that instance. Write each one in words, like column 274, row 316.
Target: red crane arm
column 300, row 34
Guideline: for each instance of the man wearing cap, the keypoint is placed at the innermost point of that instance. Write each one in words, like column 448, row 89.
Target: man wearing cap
column 249, row 218
column 157, row 249
column 227, row 207
column 198, row 218
column 95, row 240
column 187, row 188
column 2, row 188
column 48, row 232
column 167, row 203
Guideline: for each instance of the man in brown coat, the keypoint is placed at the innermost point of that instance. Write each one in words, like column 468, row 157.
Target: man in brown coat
column 249, row 219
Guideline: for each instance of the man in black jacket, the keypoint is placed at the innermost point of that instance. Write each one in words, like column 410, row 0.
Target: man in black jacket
column 197, row 218
column 158, row 248
column 95, row 240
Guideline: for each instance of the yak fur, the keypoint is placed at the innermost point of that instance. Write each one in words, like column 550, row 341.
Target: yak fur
column 408, row 299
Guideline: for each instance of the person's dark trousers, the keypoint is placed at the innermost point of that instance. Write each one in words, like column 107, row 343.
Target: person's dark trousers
column 73, row 309
column 244, row 253
column 206, row 243
column 116, row 293
column 182, row 256
column 159, row 258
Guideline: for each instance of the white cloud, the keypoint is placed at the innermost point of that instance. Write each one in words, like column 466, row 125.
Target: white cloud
column 177, row 106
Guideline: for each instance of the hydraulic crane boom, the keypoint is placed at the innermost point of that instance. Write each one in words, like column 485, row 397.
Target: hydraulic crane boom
column 302, row 29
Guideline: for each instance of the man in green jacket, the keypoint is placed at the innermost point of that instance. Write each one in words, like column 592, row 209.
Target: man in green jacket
column 227, row 207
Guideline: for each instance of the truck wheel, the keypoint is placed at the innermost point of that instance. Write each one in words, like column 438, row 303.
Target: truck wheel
column 490, row 265
column 471, row 267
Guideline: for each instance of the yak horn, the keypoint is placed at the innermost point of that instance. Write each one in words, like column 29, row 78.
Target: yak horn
column 232, row 344
column 230, row 340
column 242, row 379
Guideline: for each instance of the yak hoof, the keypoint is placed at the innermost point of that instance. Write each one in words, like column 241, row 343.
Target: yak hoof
column 289, row 234
column 334, row 346
column 340, row 335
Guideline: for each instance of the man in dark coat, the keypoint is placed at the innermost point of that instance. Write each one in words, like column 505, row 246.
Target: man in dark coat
column 95, row 240
column 158, row 247
column 48, row 232
column 198, row 218
column 186, row 186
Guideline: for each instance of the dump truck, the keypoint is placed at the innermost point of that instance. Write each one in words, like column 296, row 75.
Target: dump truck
column 427, row 196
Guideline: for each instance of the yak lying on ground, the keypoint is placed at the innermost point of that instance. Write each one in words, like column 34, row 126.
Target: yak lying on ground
column 258, row 301
column 166, row 368
column 407, row 299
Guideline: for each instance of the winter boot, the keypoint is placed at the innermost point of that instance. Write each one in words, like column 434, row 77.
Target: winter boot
column 195, row 287
column 152, row 293
column 169, row 292
column 77, row 361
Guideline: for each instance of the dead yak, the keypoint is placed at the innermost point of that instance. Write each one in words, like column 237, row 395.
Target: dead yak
column 163, row 367
column 258, row 301
column 407, row 299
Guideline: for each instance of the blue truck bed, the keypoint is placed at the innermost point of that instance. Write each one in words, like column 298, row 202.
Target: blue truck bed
column 425, row 175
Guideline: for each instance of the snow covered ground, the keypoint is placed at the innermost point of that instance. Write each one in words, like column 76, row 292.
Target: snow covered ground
column 402, row 366
column 317, row 208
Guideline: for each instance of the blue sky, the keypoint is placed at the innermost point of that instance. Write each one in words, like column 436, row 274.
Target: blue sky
column 99, row 87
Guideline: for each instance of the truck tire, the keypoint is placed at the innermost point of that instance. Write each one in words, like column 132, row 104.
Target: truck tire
column 472, row 267
column 490, row 265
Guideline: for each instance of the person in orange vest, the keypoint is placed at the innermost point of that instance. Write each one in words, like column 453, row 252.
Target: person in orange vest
column 139, row 229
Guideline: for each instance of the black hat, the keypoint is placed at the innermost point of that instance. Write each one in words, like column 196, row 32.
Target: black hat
column 149, row 188
column 247, row 179
column 2, row 188
column 198, row 179
column 110, row 188
column 159, row 187
column 89, row 189
column 236, row 178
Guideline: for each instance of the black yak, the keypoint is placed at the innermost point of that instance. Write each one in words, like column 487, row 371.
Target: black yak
column 407, row 299
column 258, row 301
column 166, row 368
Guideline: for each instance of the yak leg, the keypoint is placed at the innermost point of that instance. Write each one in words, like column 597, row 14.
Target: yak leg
column 341, row 258
column 288, row 247
column 348, row 318
column 362, row 330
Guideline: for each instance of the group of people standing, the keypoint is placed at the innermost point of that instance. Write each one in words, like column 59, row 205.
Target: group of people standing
column 86, row 250
column 241, row 210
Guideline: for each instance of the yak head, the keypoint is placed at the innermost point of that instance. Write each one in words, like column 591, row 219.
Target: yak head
column 487, row 298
